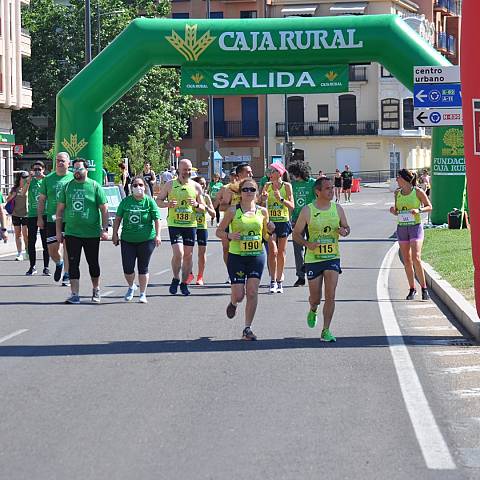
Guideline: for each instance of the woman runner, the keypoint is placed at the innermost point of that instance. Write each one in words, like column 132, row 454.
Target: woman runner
column 213, row 188
column 279, row 202
column 410, row 201
column 246, row 225
column 140, row 235
column 19, row 192
column 337, row 184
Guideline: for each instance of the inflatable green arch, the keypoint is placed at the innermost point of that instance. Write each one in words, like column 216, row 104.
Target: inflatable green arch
column 238, row 43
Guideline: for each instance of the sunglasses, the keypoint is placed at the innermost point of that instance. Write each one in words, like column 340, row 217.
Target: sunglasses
column 138, row 185
column 37, row 169
column 249, row 189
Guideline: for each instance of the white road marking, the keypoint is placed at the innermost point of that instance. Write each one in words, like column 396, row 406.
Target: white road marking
column 368, row 204
column 432, row 444
column 162, row 271
column 464, row 369
column 432, row 329
column 454, row 353
column 389, row 204
column 421, row 305
column 106, row 294
column 468, row 392
column 14, row 334
column 427, row 317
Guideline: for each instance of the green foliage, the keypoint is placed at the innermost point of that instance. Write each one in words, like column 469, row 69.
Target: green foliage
column 153, row 110
column 112, row 156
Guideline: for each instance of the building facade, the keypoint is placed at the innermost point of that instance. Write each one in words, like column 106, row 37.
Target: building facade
column 371, row 126
column 238, row 120
column 15, row 93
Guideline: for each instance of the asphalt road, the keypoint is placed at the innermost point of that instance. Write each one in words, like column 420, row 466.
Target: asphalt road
column 168, row 391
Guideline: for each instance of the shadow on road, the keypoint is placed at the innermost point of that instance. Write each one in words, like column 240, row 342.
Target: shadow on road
column 206, row 344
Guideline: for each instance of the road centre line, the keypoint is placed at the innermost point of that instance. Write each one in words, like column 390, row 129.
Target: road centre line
column 12, row 335
column 432, row 444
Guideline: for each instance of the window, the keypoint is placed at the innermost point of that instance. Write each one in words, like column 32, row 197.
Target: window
column 408, row 114
column 322, row 111
column 390, row 114
column 248, row 14
column 216, row 14
column 384, row 73
column 180, row 15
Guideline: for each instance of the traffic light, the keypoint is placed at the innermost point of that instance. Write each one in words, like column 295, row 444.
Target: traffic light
column 289, row 147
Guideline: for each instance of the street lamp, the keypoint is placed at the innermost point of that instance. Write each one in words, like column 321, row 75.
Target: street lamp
column 211, row 124
column 99, row 19
column 88, row 33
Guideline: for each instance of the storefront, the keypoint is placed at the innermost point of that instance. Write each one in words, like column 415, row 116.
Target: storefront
column 7, row 141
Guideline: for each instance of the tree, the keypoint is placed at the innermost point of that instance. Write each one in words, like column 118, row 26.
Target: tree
column 152, row 110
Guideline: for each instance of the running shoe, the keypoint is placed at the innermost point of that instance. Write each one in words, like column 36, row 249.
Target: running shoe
column 300, row 282
column 58, row 271
column 327, row 336
column 228, row 280
column 19, row 257
column 96, row 295
column 231, row 310
column 130, row 292
column 143, row 298
column 190, row 278
column 184, row 289
column 200, row 280
column 31, row 271
column 411, row 294
column 279, row 287
column 174, row 286
column 311, row 319
column 46, row 272
column 247, row 334
column 273, row 286
column 66, row 280
column 425, row 294
column 74, row 299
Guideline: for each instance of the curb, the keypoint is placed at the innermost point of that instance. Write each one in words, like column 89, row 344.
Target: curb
column 462, row 310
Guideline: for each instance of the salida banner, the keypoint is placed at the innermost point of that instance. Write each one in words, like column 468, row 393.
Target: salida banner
column 245, row 81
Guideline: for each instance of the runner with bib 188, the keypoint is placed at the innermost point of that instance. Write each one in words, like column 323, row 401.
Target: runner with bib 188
column 410, row 201
column 245, row 225
column 325, row 222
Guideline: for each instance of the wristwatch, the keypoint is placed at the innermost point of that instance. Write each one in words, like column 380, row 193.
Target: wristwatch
column 282, row 199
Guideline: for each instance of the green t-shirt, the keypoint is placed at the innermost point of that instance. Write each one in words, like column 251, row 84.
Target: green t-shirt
column 33, row 194
column 263, row 181
column 214, row 188
column 138, row 218
column 51, row 187
column 1, row 198
column 81, row 215
column 303, row 194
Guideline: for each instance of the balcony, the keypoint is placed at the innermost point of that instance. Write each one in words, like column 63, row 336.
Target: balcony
column 452, row 46
column 234, row 129
column 25, row 43
column 357, row 74
column 448, row 7
column 441, row 44
column 328, row 129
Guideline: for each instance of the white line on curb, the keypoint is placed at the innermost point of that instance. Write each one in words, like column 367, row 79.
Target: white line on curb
column 14, row 334
column 432, row 444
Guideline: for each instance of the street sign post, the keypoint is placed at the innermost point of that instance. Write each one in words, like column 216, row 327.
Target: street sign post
column 177, row 152
column 437, row 96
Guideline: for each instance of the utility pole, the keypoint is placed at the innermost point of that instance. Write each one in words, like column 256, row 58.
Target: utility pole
column 211, row 124
column 286, row 136
column 265, row 138
column 88, row 33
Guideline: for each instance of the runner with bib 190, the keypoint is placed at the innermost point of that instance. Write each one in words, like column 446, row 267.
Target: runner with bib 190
column 410, row 201
column 182, row 196
column 325, row 221
column 279, row 202
column 245, row 225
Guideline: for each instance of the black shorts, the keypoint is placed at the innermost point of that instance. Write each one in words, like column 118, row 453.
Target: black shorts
column 347, row 185
column 202, row 237
column 282, row 229
column 185, row 235
column 19, row 221
column 52, row 232
column 337, row 183
column 240, row 268
column 316, row 269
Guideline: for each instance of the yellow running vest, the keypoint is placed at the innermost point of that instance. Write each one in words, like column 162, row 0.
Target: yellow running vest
column 323, row 228
column 251, row 231
column 277, row 211
column 405, row 203
column 202, row 217
column 235, row 195
column 183, row 215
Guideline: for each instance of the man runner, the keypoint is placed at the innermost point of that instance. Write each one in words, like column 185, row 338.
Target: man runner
column 49, row 191
column 347, row 179
column 79, row 204
column 183, row 198
column 325, row 221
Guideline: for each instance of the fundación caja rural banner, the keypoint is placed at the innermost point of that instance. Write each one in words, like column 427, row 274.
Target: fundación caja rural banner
column 255, row 81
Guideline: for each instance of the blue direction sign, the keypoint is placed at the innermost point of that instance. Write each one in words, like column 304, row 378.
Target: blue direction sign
column 443, row 95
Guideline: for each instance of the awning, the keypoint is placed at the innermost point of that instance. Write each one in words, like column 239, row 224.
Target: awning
column 299, row 10
column 350, row 7
column 217, row 156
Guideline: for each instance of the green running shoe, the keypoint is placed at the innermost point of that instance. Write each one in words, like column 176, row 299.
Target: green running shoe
column 327, row 336
column 312, row 319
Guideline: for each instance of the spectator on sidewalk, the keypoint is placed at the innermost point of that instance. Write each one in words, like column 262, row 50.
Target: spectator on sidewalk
column 3, row 220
